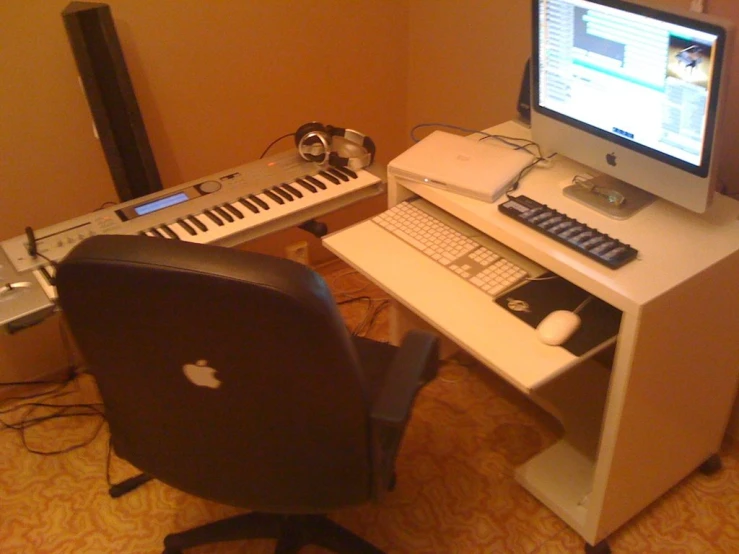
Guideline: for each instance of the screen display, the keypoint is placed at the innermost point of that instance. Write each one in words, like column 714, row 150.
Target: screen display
column 630, row 75
column 160, row 203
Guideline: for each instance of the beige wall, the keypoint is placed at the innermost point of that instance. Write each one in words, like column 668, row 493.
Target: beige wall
column 217, row 81
column 466, row 61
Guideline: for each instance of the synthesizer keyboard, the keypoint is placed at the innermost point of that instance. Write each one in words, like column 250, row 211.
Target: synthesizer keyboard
column 227, row 208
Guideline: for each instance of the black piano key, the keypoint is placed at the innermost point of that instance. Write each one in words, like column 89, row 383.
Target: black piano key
column 326, row 175
column 316, row 182
column 306, row 185
column 259, row 201
column 195, row 221
column 283, row 193
column 213, row 217
column 156, row 232
column 338, row 174
column 223, row 213
column 186, row 226
column 347, row 172
column 169, row 232
column 249, row 205
column 273, row 196
column 234, row 211
column 292, row 190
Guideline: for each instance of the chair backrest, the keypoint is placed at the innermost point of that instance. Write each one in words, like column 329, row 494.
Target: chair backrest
column 227, row 374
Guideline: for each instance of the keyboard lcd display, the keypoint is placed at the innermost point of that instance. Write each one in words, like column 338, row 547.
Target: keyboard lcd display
column 161, row 203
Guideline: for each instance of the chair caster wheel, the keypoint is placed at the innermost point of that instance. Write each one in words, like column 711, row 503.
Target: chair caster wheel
column 711, row 465
column 600, row 548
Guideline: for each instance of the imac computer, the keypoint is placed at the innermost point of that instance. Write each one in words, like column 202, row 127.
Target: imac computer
column 633, row 92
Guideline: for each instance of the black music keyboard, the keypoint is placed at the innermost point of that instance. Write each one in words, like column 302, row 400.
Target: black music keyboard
column 227, row 208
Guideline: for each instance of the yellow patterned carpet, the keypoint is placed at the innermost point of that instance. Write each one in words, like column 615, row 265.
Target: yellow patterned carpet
column 455, row 494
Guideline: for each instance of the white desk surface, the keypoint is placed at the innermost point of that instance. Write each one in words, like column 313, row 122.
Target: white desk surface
column 673, row 243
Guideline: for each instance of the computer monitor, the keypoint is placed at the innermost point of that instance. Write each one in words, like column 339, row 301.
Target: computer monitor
column 635, row 93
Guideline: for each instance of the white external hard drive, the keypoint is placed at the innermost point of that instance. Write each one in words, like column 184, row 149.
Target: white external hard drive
column 482, row 170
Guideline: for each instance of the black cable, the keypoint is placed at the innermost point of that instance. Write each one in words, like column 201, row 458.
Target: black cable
column 271, row 144
column 94, row 412
column 59, row 386
column 371, row 317
column 524, row 144
column 507, row 140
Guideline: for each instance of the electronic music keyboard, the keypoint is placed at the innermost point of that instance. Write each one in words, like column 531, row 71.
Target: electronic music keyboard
column 227, row 209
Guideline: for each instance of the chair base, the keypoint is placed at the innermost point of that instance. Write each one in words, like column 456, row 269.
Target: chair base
column 292, row 532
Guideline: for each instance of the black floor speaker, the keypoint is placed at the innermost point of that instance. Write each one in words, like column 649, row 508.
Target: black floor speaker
column 524, row 94
column 111, row 97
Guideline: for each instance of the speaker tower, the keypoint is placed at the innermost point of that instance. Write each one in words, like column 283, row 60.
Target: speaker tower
column 111, row 97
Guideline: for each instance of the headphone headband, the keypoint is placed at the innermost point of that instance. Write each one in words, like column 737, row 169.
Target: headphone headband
column 314, row 142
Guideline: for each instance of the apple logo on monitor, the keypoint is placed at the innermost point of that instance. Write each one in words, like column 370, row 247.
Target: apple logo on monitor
column 611, row 158
column 201, row 374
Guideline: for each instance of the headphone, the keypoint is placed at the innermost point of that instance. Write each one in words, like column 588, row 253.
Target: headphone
column 315, row 143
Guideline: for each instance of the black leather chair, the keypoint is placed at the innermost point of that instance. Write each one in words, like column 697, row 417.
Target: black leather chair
column 231, row 376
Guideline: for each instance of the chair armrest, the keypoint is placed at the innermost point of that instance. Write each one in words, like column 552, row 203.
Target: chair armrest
column 415, row 364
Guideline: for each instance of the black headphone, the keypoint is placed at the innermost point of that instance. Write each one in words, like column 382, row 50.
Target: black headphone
column 315, row 144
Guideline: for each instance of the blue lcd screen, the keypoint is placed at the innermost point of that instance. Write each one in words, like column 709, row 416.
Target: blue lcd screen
column 161, row 203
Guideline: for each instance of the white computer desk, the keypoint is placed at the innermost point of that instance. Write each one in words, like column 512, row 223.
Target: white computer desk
column 632, row 430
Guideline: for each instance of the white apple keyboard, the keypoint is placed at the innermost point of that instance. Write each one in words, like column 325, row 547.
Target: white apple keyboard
column 475, row 257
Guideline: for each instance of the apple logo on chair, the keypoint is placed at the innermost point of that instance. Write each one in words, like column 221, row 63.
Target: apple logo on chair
column 611, row 158
column 201, row 374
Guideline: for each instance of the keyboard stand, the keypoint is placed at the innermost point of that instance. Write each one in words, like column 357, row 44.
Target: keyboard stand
column 676, row 367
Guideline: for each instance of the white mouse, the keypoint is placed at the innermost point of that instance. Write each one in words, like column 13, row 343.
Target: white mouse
column 557, row 327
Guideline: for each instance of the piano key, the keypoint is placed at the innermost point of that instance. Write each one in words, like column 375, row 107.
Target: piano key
column 249, row 205
column 306, row 185
column 273, row 196
column 259, row 201
column 283, row 193
column 339, row 174
column 315, row 181
column 233, row 210
column 213, row 217
column 349, row 172
column 195, row 221
column 169, row 232
column 223, row 214
column 292, row 190
column 327, row 175
column 186, row 226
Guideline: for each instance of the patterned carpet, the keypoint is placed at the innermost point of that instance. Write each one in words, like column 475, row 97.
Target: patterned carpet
column 455, row 493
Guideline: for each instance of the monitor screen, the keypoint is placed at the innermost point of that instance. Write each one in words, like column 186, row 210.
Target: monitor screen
column 631, row 91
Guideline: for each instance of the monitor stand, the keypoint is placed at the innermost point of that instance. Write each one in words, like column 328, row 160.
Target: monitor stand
column 609, row 196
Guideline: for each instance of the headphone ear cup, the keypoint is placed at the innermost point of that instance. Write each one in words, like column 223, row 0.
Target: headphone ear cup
column 313, row 142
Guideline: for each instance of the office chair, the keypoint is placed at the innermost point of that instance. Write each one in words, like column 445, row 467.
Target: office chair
column 231, row 376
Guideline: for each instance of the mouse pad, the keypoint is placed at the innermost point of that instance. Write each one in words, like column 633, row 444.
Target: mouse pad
column 534, row 300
